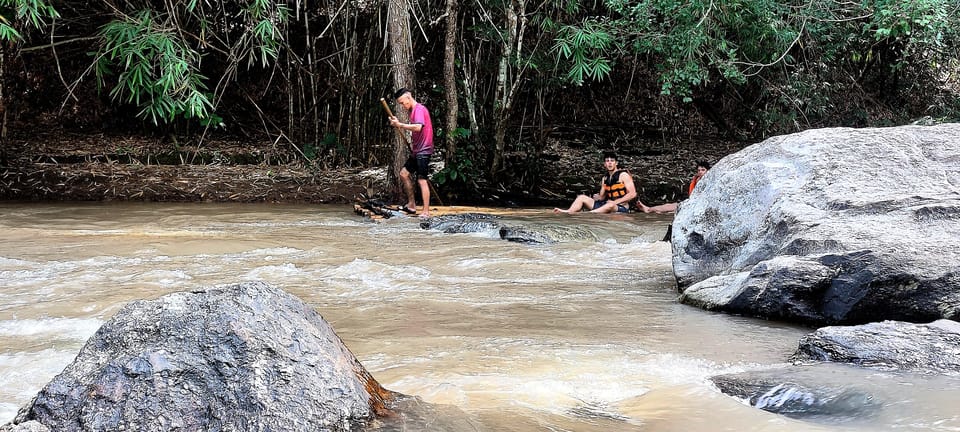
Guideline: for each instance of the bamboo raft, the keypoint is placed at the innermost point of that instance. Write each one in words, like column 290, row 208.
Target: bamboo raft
column 379, row 211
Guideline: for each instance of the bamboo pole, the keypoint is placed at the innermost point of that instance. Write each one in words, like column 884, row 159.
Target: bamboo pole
column 386, row 107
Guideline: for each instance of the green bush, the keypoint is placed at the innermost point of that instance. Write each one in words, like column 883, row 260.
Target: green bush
column 461, row 168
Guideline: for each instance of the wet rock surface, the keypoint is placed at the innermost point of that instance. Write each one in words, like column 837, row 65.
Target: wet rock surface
column 923, row 348
column 827, row 226
column 510, row 230
column 463, row 223
column 780, row 393
column 547, row 233
column 240, row 357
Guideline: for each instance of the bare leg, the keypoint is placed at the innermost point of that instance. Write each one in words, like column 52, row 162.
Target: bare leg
column 578, row 204
column 606, row 208
column 643, row 207
column 425, row 190
column 408, row 188
column 663, row 208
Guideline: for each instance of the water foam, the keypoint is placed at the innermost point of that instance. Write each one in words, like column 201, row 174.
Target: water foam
column 70, row 328
column 362, row 276
column 25, row 374
column 550, row 377
column 287, row 270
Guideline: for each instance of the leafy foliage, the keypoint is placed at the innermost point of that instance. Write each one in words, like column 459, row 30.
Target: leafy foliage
column 302, row 74
column 158, row 62
column 792, row 50
column 461, row 168
column 586, row 47
column 33, row 13
column 158, row 70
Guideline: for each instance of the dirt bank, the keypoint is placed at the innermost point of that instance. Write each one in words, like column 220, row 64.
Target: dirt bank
column 96, row 167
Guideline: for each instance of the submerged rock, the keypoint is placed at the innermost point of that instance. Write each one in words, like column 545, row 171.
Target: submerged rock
column 521, row 232
column 242, row 357
column 786, row 396
column 828, row 226
column 545, row 233
column 462, row 223
column 926, row 348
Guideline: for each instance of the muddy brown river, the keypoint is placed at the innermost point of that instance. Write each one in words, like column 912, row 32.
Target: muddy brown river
column 575, row 336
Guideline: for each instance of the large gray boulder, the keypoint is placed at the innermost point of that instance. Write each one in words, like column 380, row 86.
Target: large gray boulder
column 246, row 357
column 923, row 348
column 828, row 226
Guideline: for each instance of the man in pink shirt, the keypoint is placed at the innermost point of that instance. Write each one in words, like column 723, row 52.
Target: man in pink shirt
column 421, row 147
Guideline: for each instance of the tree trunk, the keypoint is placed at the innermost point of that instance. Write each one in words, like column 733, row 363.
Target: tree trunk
column 470, row 82
column 450, row 78
column 508, row 78
column 401, row 55
column 3, row 109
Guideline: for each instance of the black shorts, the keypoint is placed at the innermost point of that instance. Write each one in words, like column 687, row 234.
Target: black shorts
column 419, row 165
column 620, row 207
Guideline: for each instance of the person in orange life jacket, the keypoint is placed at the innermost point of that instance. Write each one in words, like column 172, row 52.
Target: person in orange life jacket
column 702, row 167
column 616, row 191
column 421, row 147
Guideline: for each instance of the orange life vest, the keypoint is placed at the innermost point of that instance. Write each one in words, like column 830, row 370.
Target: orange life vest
column 613, row 188
column 693, row 183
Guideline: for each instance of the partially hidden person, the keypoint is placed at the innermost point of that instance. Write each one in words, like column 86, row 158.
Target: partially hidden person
column 616, row 191
column 702, row 168
column 421, row 149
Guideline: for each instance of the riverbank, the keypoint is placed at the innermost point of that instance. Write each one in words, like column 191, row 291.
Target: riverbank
column 58, row 166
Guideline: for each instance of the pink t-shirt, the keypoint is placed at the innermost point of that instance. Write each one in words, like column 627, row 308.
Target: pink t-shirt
column 421, row 143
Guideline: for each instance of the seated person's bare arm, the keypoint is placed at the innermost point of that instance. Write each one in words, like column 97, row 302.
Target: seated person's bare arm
column 631, row 189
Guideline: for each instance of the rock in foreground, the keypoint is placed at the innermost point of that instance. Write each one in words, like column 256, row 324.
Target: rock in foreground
column 247, row 357
column 828, row 226
column 926, row 348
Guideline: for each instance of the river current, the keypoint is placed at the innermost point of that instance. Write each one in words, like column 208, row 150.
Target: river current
column 574, row 336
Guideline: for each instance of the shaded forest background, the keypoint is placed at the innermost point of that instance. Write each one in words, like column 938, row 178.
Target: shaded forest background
column 251, row 100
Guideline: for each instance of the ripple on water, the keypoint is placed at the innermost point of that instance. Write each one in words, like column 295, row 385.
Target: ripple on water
column 640, row 255
column 69, row 328
column 98, row 268
column 269, row 252
column 12, row 262
column 163, row 277
column 360, row 277
column 269, row 226
column 271, row 272
column 540, row 375
column 260, row 255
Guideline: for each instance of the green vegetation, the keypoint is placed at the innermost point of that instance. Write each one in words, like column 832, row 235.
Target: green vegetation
column 158, row 70
column 310, row 77
column 460, row 170
column 33, row 13
column 159, row 61
column 793, row 59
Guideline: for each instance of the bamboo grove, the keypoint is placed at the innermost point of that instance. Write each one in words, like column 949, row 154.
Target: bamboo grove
column 497, row 75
